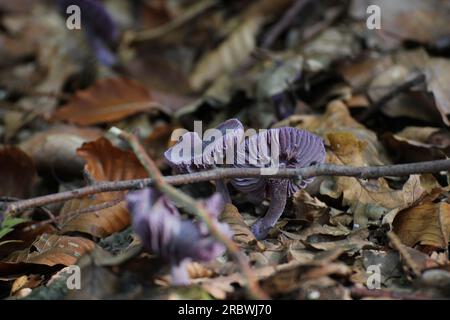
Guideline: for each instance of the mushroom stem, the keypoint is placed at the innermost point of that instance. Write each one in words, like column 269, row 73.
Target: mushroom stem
column 222, row 188
column 278, row 195
column 180, row 275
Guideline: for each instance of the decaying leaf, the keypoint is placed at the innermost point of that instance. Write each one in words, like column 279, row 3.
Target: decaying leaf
column 229, row 55
column 427, row 224
column 418, row 144
column 421, row 21
column 351, row 244
column 104, row 162
column 242, row 233
column 53, row 250
column 307, row 207
column 54, row 150
column 17, row 173
column 292, row 276
column 105, row 101
column 368, row 199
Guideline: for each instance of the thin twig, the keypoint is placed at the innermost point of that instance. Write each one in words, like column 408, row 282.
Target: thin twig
column 284, row 23
column 94, row 208
column 361, row 292
column 194, row 207
column 228, row 173
column 152, row 34
column 412, row 81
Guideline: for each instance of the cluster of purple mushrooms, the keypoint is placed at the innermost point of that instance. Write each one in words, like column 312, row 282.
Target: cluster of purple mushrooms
column 159, row 223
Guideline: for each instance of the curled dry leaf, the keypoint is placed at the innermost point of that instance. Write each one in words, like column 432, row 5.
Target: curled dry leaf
column 368, row 199
column 23, row 235
column 104, row 162
column 242, row 233
column 25, row 282
column 54, row 150
column 52, row 250
column 428, row 224
column 417, row 20
column 197, row 270
column 229, row 55
column 291, row 276
column 351, row 244
column 17, row 173
column 308, row 208
column 414, row 144
column 107, row 100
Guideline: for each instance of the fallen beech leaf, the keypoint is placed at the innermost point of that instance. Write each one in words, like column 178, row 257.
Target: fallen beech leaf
column 308, row 208
column 17, row 173
column 104, row 162
column 107, row 100
column 229, row 55
column 291, row 276
column 368, row 199
column 23, row 236
column 53, row 250
column 415, row 144
column 427, row 224
column 421, row 21
column 197, row 270
column 54, row 150
column 242, row 233
column 351, row 244
column 31, row 281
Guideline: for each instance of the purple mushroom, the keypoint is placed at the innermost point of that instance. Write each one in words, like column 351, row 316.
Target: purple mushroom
column 100, row 28
column 286, row 148
column 219, row 148
column 163, row 231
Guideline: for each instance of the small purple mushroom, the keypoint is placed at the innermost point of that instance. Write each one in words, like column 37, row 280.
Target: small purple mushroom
column 163, row 231
column 291, row 148
column 219, row 148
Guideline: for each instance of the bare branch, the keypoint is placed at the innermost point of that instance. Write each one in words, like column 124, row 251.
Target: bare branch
column 220, row 173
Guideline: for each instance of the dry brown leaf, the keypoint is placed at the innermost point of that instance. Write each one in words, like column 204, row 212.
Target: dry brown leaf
column 368, row 199
column 23, row 235
column 31, row 281
column 417, row 20
column 242, row 233
column 427, row 224
column 197, row 270
column 107, row 100
column 307, row 207
column 414, row 144
column 229, row 55
column 291, row 276
column 17, row 173
column 54, row 150
column 104, row 162
column 351, row 244
column 53, row 250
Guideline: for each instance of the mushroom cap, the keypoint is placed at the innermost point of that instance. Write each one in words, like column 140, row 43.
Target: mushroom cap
column 191, row 154
column 186, row 155
column 284, row 147
column 163, row 231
